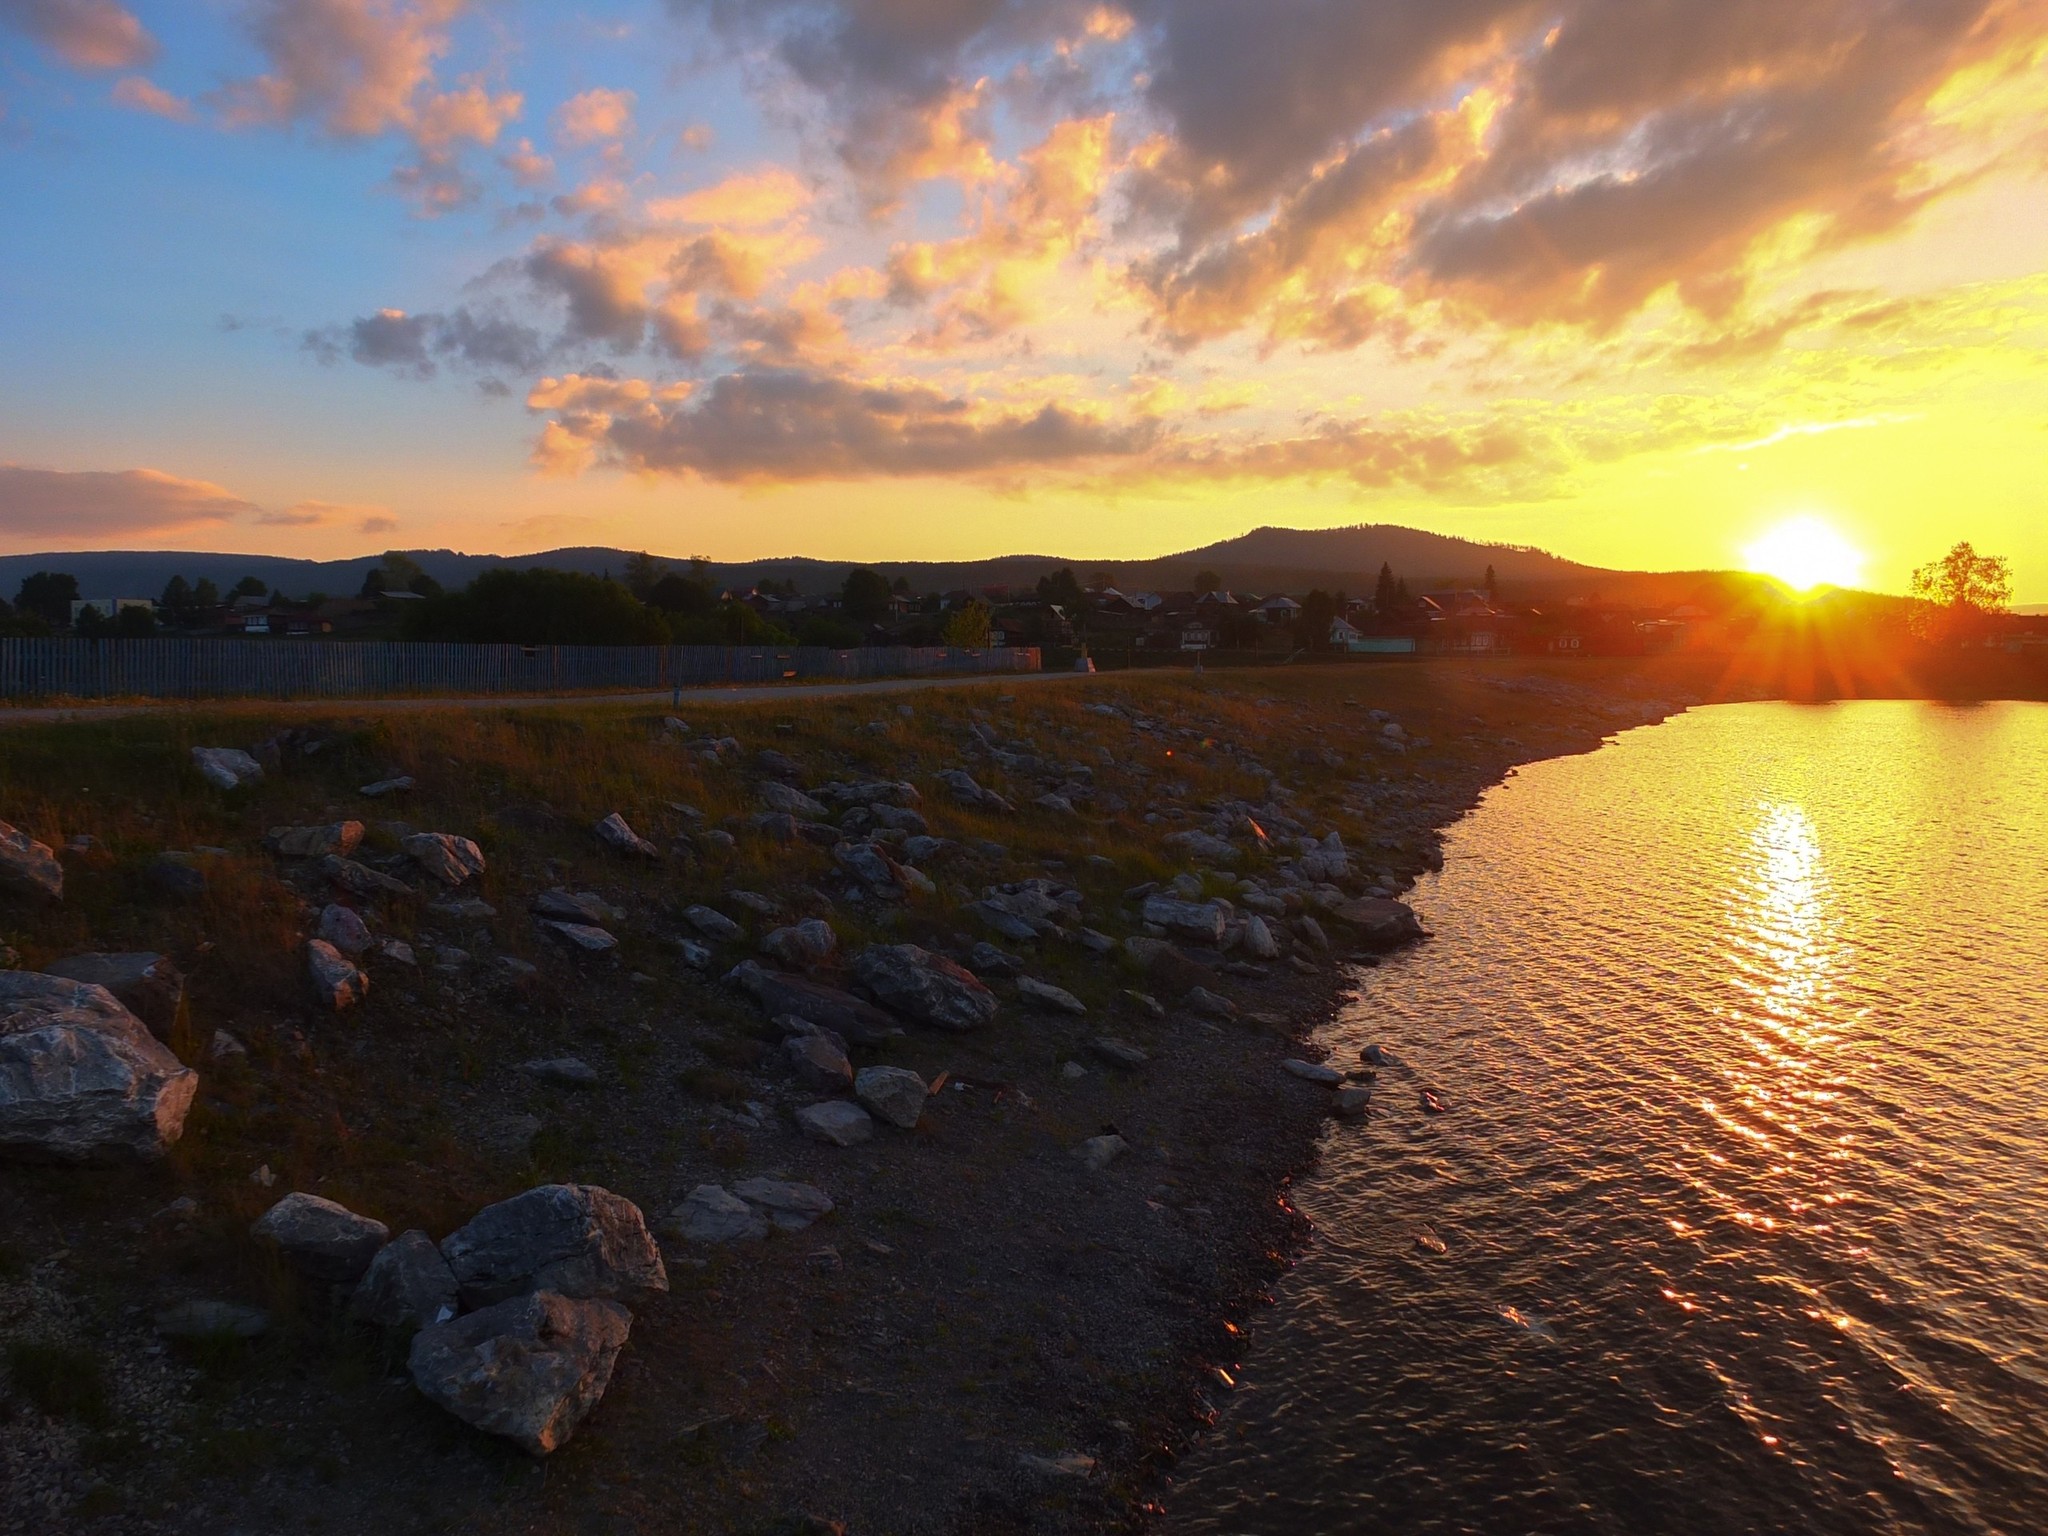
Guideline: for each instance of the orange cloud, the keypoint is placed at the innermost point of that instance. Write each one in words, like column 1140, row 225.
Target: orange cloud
column 86, row 34
column 595, row 117
column 749, row 200
column 142, row 95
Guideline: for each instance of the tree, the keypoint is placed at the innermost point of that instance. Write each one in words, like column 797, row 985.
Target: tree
column 968, row 626
column 1383, row 591
column 538, row 607
column 1961, row 596
column 1207, row 582
column 864, row 598
column 19, row 624
column 690, row 596
column 134, row 624
column 49, row 596
column 176, row 603
column 642, row 572
column 205, row 596
column 248, row 586
column 1312, row 628
column 1063, row 592
column 373, row 583
column 1491, row 584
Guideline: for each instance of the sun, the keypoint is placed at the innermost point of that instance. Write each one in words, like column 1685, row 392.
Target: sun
column 1805, row 553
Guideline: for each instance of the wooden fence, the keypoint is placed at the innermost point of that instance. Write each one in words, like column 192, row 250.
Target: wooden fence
column 341, row 669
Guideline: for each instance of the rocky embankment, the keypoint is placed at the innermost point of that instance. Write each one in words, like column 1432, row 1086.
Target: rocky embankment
column 853, row 1141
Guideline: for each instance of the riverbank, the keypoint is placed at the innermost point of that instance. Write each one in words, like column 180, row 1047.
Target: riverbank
column 983, row 1334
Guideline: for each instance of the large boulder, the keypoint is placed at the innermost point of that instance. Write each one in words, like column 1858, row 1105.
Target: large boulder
column 777, row 992
column 1381, row 923
column 321, row 1239
column 791, row 1207
column 340, row 838
column 147, row 985
column 529, row 1369
column 818, row 1063
column 1203, row 922
column 344, row 928
column 897, row 1094
column 407, row 1286
column 449, row 859
column 924, row 987
column 226, row 767
column 576, row 1239
column 803, row 945
column 361, row 880
column 835, row 1122
column 337, row 983
column 82, row 1080
column 27, row 867
column 714, row 924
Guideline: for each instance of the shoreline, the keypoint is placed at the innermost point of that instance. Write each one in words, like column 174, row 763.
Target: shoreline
column 978, row 1313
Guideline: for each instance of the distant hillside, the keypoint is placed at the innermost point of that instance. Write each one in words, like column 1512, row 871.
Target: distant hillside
column 1264, row 560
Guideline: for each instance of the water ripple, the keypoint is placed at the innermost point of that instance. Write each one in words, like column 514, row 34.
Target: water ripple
column 1742, row 1201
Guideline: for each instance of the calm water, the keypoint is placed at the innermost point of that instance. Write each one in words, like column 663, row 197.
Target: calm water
column 1743, row 1023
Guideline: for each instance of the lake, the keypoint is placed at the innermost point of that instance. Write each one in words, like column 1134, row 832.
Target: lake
column 1742, row 1188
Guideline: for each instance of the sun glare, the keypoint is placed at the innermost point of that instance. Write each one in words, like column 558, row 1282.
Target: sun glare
column 1806, row 553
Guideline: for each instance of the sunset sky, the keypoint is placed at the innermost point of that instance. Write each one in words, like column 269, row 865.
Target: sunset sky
column 1634, row 280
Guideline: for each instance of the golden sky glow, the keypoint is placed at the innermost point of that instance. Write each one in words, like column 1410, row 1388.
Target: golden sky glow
column 1637, row 282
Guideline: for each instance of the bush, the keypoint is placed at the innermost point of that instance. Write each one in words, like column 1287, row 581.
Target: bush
column 538, row 607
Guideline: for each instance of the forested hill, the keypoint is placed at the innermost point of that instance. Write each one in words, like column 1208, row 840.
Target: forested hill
column 1264, row 560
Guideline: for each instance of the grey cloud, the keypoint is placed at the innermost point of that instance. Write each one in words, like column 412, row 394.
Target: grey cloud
column 88, row 34
column 415, row 345
column 95, row 504
column 788, row 424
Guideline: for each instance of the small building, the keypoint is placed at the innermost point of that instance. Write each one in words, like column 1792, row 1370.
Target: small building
column 1196, row 637
column 1278, row 610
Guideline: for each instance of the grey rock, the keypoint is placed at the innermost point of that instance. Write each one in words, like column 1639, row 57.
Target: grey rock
column 529, row 1370
column 226, row 767
column 1003, row 922
column 383, row 787
column 778, row 993
column 340, row 838
column 818, row 1063
column 577, row 1239
column 226, row 1048
column 206, row 1319
column 1259, row 942
column 344, row 928
column 1212, row 1004
column 1201, row 922
column 1204, row 847
column 337, row 983
column 896, row 1094
column 176, row 876
column 695, row 954
column 27, row 867
column 321, row 1239
column 570, row 1071
column 716, row 841
column 922, row 850
column 82, row 1080
column 755, row 902
column 585, row 907
column 1312, row 930
column 1096, row 942
column 516, row 968
column 147, row 985
column 1145, row 1003
column 876, row 870
column 1312, row 1072
column 900, row 819
column 1059, row 805
column 711, row 1214
column 592, row 941
column 1098, row 1152
column 463, row 910
column 448, row 858
column 924, row 987
column 791, row 1207
column 802, row 945
column 1353, row 1101
column 1050, row 996
column 615, row 833
column 407, row 1286
column 360, row 879
column 836, row 1123
column 1381, row 923
column 1118, row 1053
column 986, row 960
column 714, row 925
column 791, row 801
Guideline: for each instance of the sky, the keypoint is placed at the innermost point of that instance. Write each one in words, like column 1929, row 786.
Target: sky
column 1633, row 280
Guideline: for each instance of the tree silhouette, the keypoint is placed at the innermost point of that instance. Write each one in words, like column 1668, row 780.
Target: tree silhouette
column 1961, row 596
